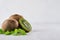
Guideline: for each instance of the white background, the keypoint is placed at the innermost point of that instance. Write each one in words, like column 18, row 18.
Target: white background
column 44, row 16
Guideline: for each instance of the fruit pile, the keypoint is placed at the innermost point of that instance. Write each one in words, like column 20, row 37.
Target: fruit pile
column 15, row 25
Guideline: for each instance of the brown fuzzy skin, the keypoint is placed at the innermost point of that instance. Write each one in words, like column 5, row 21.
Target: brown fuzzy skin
column 16, row 16
column 9, row 24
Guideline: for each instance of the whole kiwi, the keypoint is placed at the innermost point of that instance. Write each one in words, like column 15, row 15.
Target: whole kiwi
column 16, row 17
column 9, row 24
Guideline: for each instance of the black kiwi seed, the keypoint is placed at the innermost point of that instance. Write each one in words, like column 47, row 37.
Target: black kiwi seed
column 9, row 24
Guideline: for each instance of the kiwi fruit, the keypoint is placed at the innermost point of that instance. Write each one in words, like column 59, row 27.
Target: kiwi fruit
column 16, row 17
column 25, row 25
column 9, row 24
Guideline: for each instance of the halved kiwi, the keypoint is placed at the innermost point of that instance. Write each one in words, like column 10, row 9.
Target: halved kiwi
column 25, row 25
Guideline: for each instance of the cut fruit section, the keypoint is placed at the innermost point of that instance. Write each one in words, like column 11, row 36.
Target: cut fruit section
column 25, row 24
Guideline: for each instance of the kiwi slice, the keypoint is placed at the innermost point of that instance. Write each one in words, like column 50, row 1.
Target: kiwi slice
column 25, row 24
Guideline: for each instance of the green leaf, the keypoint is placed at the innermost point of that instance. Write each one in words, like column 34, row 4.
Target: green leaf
column 15, row 32
column 12, row 32
column 1, row 31
column 21, row 31
column 7, row 33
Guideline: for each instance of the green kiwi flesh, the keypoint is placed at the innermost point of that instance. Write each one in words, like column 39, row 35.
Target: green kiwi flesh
column 25, row 25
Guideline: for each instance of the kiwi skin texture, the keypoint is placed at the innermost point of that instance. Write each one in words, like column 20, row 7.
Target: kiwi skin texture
column 16, row 17
column 9, row 25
